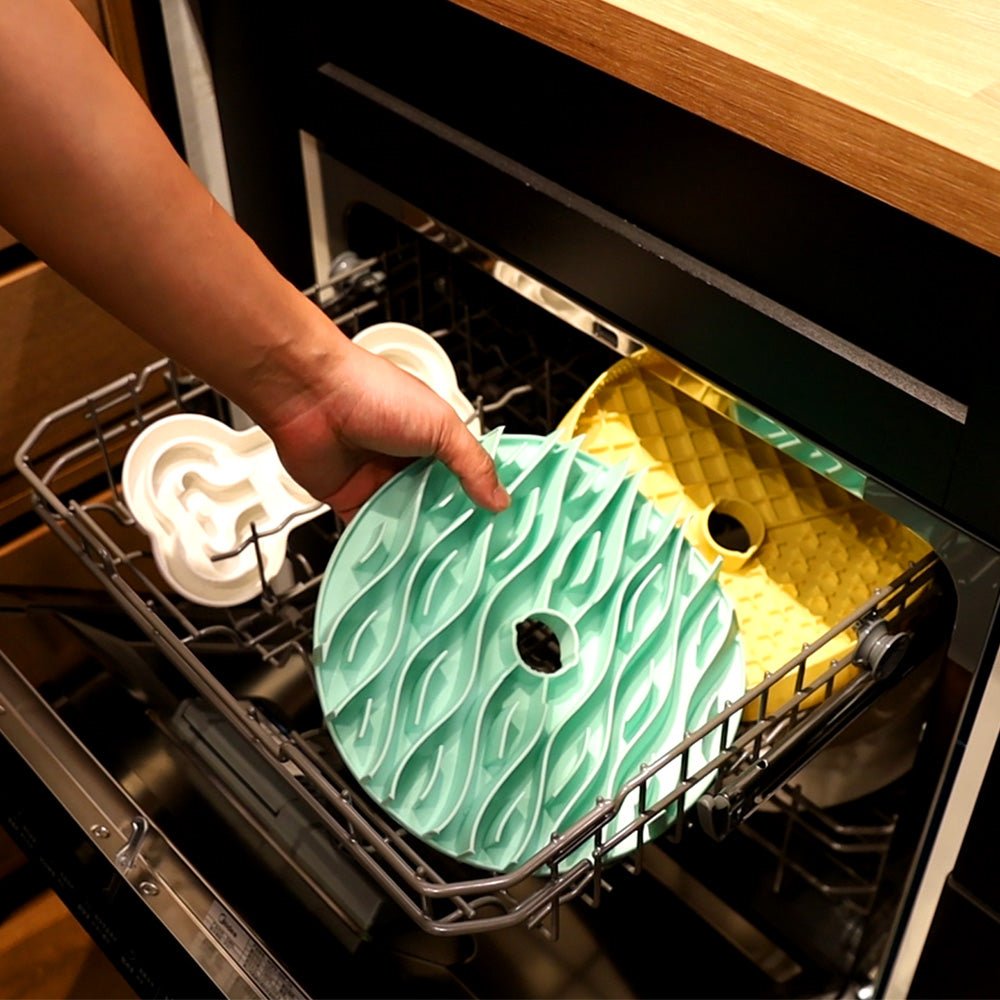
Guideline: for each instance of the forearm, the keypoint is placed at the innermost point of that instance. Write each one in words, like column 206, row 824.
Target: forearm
column 90, row 183
column 148, row 243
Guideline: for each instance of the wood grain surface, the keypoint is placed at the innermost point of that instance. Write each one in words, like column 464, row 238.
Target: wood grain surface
column 57, row 346
column 899, row 98
column 46, row 955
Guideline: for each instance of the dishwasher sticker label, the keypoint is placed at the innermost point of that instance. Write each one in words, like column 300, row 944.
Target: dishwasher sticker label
column 250, row 956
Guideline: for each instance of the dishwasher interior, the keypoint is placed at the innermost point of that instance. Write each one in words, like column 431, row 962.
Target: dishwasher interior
column 783, row 879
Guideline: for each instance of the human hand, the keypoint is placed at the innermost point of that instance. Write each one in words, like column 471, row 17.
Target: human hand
column 365, row 421
column 80, row 144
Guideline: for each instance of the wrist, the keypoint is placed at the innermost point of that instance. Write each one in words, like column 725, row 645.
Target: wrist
column 290, row 370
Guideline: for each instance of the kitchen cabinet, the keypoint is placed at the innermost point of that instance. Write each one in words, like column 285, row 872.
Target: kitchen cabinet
column 900, row 101
column 113, row 21
column 58, row 346
column 57, row 343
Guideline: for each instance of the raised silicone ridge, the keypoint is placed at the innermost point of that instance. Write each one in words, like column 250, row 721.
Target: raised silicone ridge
column 418, row 670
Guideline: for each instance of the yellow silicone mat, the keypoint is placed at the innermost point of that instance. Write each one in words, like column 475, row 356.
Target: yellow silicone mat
column 810, row 552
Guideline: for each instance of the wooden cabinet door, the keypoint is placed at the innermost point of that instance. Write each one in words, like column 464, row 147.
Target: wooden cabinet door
column 57, row 345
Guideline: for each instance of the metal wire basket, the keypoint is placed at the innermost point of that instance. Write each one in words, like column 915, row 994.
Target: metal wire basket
column 517, row 380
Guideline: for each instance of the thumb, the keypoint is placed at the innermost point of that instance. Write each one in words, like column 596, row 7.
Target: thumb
column 471, row 463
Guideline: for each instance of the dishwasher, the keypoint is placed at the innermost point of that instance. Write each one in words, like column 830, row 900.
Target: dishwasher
column 172, row 767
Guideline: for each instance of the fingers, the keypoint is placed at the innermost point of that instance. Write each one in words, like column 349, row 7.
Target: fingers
column 352, row 494
column 472, row 464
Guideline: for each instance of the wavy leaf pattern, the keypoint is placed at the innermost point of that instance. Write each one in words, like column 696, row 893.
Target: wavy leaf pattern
column 426, row 695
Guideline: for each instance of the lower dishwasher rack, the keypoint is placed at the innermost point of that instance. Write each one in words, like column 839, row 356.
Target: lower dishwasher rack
column 79, row 497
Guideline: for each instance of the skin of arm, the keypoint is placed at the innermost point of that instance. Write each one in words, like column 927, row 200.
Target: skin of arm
column 91, row 184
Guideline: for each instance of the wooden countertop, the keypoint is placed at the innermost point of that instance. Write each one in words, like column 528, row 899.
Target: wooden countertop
column 899, row 98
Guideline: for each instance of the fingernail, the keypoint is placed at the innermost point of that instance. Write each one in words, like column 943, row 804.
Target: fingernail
column 500, row 498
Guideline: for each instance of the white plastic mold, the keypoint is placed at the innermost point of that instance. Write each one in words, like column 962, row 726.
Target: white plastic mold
column 195, row 485
column 431, row 702
column 419, row 354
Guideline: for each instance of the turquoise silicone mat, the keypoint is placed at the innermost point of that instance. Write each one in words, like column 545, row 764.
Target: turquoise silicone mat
column 419, row 673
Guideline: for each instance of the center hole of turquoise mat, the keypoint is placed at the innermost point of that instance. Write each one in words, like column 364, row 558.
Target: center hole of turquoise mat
column 546, row 642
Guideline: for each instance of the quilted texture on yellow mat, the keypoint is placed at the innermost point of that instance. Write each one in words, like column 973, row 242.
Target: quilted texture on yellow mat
column 823, row 551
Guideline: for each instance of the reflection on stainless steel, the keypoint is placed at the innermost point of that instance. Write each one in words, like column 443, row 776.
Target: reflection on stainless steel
column 564, row 308
column 626, row 344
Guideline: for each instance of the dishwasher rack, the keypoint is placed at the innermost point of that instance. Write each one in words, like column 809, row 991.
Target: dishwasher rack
column 77, row 493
